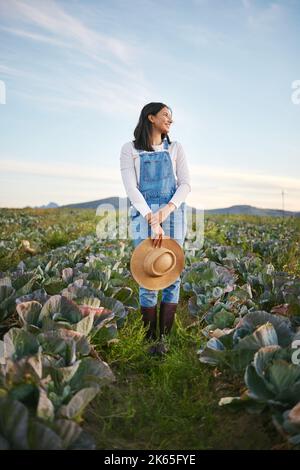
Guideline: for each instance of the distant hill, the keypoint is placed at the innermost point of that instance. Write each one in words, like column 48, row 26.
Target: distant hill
column 94, row 204
column 50, row 205
column 251, row 210
column 237, row 209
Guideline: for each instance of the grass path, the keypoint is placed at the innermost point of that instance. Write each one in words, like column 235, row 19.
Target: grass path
column 170, row 402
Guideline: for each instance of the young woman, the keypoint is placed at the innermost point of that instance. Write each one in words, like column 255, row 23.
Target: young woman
column 156, row 178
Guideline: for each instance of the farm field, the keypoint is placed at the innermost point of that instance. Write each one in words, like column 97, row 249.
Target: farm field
column 74, row 368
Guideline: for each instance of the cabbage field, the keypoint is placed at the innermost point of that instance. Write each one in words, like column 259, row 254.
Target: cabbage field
column 74, row 368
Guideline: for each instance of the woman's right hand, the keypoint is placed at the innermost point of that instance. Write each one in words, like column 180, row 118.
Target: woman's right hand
column 158, row 235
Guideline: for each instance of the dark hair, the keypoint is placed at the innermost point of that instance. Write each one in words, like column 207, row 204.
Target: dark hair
column 143, row 130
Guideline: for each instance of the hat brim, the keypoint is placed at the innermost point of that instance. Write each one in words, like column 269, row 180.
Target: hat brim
column 156, row 283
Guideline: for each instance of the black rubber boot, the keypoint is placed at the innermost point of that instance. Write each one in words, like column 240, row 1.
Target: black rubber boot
column 149, row 316
column 166, row 320
column 166, row 317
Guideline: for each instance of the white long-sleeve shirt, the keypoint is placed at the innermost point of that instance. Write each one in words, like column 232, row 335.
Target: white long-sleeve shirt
column 130, row 171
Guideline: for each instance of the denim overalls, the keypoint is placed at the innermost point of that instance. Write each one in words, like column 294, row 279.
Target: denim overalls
column 158, row 184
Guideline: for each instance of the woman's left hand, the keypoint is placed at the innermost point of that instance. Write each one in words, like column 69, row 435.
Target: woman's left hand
column 161, row 215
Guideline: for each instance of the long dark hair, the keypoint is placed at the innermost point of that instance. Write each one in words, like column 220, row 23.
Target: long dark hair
column 143, row 130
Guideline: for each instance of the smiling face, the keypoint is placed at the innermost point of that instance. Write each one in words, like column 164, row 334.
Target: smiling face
column 162, row 120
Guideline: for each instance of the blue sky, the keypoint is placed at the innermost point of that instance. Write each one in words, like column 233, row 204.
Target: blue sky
column 77, row 73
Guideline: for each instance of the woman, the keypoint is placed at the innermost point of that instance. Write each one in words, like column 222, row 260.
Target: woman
column 156, row 179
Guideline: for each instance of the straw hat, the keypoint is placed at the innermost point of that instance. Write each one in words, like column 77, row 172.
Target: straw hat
column 157, row 268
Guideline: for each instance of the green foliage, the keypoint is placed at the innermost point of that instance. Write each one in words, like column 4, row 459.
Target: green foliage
column 71, row 293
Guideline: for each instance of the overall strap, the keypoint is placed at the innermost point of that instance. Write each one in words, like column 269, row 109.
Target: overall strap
column 166, row 143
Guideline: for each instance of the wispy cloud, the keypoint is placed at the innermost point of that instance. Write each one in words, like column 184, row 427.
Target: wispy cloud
column 217, row 174
column 35, row 36
column 14, row 72
column 69, row 171
column 263, row 17
column 264, row 180
column 88, row 92
column 101, row 54
column 208, row 183
column 49, row 16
